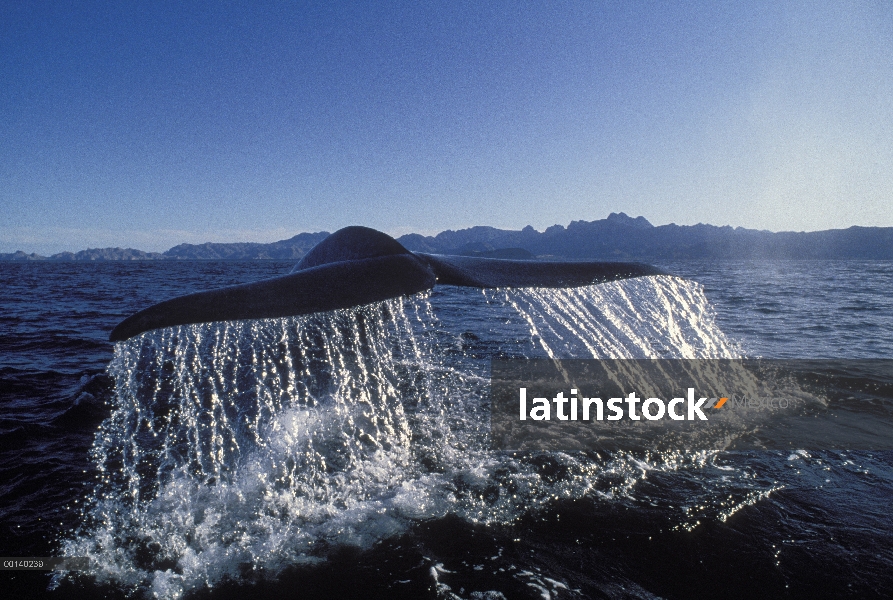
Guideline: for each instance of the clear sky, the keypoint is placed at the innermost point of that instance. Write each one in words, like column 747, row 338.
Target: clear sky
column 148, row 124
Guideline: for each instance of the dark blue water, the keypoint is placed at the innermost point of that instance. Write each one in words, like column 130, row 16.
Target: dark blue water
column 301, row 505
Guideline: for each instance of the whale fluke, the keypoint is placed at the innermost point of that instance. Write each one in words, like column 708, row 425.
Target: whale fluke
column 359, row 265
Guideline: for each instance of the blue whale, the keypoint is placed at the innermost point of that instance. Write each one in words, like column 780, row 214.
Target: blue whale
column 359, row 265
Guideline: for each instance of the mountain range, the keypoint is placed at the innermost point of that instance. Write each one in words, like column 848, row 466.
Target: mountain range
column 618, row 237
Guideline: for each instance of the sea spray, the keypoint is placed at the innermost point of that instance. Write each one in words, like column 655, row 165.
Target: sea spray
column 237, row 449
column 645, row 317
column 250, row 443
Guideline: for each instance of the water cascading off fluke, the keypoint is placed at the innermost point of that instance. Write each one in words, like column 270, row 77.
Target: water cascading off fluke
column 265, row 442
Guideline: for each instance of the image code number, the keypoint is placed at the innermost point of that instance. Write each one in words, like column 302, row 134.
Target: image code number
column 51, row 563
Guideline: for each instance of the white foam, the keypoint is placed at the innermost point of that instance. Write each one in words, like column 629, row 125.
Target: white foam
column 261, row 443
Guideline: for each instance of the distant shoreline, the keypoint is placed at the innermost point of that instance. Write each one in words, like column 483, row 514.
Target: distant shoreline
column 618, row 237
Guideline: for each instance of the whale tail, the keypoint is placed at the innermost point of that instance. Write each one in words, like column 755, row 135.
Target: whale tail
column 359, row 265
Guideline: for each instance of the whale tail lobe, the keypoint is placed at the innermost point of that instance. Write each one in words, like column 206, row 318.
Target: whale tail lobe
column 356, row 266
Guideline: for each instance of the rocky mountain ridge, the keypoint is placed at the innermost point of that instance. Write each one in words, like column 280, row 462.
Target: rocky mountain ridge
column 618, row 237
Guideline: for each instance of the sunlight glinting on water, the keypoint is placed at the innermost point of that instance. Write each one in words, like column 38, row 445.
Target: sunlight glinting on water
column 265, row 443
column 646, row 317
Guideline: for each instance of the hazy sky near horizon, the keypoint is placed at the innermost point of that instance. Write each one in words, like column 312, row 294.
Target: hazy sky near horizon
column 152, row 124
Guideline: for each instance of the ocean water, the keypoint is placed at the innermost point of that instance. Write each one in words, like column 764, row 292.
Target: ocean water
column 347, row 455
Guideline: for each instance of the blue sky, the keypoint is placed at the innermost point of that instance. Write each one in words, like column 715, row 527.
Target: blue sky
column 151, row 124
